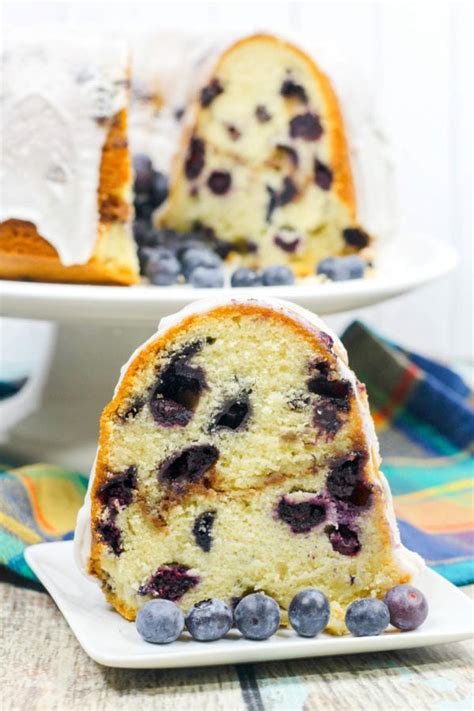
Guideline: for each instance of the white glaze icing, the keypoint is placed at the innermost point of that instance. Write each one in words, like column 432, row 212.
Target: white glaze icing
column 58, row 93
column 407, row 560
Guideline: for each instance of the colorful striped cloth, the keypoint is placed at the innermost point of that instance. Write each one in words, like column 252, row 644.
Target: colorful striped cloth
column 426, row 428
column 425, row 422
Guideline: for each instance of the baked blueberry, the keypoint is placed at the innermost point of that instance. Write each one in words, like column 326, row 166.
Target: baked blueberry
column 367, row 617
column 210, row 92
column 234, row 414
column 291, row 90
column 344, row 540
column 219, row 182
column 306, row 126
column 177, row 393
column 195, row 158
column 209, row 620
column 245, row 277
column 202, row 530
column 262, row 114
column 322, row 175
column 356, row 237
column 301, row 516
column 161, row 267
column 288, row 243
column 188, row 467
column 309, row 612
column 257, row 616
column 117, row 491
column 277, row 275
column 159, row 621
column 207, row 278
column 110, row 534
column 408, row 607
column 170, row 582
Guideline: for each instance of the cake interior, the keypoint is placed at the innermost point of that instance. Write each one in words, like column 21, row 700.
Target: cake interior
column 231, row 460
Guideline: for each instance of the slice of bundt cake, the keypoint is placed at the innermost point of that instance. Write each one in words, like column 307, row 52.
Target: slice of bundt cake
column 265, row 151
column 66, row 173
column 238, row 454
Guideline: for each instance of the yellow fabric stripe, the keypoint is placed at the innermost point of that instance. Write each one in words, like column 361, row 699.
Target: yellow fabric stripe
column 437, row 490
column 18, row 529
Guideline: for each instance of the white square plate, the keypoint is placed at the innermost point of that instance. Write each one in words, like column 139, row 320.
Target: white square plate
column 111, row 640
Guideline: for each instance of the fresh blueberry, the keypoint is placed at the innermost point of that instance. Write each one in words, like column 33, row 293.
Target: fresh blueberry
column 143, row 171
column 199, row 257
column 160, row 621
column 159, row 189
column 245, row 277
column 408, row 607
column 367, row 617
column 207, row 278
column 161, row 267
column 143, row 207
column 209, row 620
column 141, row 230
column 277, row 275
column 257, row 616
column 342, row 268
column 309, row 612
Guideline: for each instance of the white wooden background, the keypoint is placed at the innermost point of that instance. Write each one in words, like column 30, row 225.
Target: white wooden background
column 417, row 61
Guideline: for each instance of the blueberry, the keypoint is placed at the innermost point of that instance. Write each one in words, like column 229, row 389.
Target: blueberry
column 169, row 582
column 356, row 237
column 367, row 617
column 210, row 92
column 306, row 126
column 342, row 268
column 277, row 275
column 199, row 257
column 301, row 516
column 209, row 620
column 141, row 230
column 159, row 622
column 245, row 277
column 257, row 616
column 159, row 189
column 188, row 466
column 207, row 278
column 309, row 612
column 161, row 267
column 407, row 606
column 202, row 530
column 143, row 206
column 143, row 171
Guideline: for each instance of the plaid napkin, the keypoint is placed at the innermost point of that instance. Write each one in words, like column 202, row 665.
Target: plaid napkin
column 425, row 424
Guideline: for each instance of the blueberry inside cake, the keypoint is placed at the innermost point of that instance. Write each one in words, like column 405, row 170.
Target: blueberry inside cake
column 238, row 455
column 264, row 162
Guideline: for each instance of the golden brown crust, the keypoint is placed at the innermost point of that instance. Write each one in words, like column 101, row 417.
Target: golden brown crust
column 25, row 255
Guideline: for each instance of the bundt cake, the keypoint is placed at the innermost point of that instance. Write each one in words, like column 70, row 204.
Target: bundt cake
column 66, row 177
column 264, row 161
column 238, row 454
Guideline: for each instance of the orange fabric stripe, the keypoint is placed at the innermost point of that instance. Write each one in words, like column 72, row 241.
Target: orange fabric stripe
column 45, row 525
column 397, row 396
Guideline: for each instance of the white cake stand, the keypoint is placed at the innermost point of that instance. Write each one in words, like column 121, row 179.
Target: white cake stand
column 55, row 417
